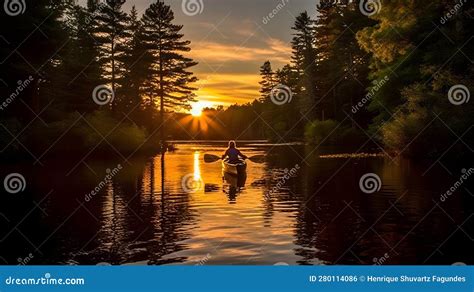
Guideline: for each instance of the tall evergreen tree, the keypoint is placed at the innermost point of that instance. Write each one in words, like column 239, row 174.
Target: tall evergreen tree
column 137, row 62
column 288, row 76
column 78, row 71
column 171, row 75
column 327, row 73
column 268, row 80
column 342, row 65
column 112, row 34
column 304, row 60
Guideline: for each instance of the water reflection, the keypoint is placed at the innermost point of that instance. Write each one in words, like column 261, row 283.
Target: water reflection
column 316, row 216
column 197, row 169
column 235, row 183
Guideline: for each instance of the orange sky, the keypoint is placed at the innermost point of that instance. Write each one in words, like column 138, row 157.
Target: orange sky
column 231, row 39
column 233, row 87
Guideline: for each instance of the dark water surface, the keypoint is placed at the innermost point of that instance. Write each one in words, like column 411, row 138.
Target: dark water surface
column 295, row 208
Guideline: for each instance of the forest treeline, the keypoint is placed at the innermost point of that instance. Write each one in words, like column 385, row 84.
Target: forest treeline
column 398, row 77
column 90, row 77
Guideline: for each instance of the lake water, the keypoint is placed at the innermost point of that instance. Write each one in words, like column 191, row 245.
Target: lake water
column 298, row 207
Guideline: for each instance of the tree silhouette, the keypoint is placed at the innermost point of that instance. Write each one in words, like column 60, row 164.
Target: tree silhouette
column 171, row 75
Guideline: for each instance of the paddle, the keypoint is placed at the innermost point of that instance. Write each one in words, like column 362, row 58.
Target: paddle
column 209, row 158
column 257, row 158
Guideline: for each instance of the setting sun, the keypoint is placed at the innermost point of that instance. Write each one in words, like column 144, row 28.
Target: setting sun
column 197, row 107
column 196, row 112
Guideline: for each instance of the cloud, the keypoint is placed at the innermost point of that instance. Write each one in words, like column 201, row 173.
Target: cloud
column 228, row 89
column 281, row 47
column 230, row 43
column 229, row 73
column 215, row 52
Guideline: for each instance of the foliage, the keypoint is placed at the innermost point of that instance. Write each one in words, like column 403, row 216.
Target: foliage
column 321, row 132
column 331, row 132
column 424, row 59
column 98, row 130
column 328, row 73
column 110, row 33
column 428, row 124
column 165, row 42
column 79, row 48
column 304, row 60
column 124, row 136
column 268, row 81
column 421, row 49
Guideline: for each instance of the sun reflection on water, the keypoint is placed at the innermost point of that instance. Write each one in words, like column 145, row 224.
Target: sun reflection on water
column 197, row 169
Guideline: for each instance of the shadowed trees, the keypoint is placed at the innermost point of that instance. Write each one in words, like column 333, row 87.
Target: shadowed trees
column 59, row 53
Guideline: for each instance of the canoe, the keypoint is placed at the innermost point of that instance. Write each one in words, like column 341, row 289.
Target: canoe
column 235, row 181
column 234, row 168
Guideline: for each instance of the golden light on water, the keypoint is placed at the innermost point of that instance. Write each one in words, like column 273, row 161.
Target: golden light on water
column 197, row 170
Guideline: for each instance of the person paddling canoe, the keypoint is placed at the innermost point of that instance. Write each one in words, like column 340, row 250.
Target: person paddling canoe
column 233, row 154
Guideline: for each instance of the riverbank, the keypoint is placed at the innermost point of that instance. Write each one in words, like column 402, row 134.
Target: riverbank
column 98, row 134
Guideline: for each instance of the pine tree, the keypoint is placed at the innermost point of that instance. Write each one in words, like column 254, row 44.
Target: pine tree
column 137, row 62
column 111, row 34
column 171, row 75
column 288, row 76
column 289, row 114
column 268, row 80
column 328, row 74
column 304, row 60
column 342, row 65
column 78, row 72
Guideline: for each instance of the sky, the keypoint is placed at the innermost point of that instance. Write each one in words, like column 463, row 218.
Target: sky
column 230, row 39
